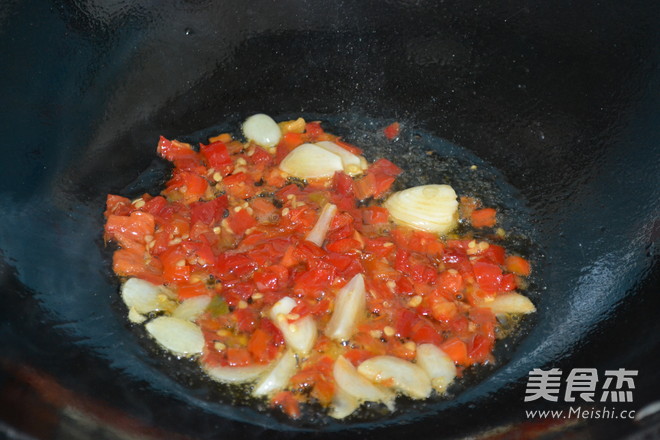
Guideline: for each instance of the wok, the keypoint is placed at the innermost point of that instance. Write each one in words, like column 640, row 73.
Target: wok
column 560, row 97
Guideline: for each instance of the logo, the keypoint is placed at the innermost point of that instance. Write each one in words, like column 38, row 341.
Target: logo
column 581, row 385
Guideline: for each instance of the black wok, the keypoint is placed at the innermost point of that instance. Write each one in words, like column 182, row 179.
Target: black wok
column 560, row 97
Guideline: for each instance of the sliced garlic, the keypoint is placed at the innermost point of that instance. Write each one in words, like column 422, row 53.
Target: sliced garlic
column 262, row 130
column 191, row 308
column 320, row 229
column 309, row 161
column 437, row 364
column 236, row 374
column 145, row 297
column 178, row 336
column 351, row 163
column 278, row 377
column 356, row 385
column 431, row 208
column 343, row 404
column 403, row 375
column 349, row 306
column 510, row 302
column 299, row 335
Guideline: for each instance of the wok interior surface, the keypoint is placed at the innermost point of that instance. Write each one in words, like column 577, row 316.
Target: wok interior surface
column 561, row 98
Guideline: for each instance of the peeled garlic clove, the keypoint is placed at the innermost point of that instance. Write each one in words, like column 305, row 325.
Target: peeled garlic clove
column 404, row 376
column 191, row 308
column 343, row 404
column 351, row 163
column 320, row 229
column 178, row 336
column 309, row 161
column 349, row 306
column 297, row 126
column 262, row 130
column 299, row 335
column 279, row 376
column 437, row 365
column 431, row 208
column 510, row 302
column 236, row 374
column 282, row 307
column 135, row 317
column 143, row 296
column 356, row 385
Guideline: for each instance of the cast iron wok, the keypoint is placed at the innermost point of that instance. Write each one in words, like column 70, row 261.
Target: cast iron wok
column 562, row 98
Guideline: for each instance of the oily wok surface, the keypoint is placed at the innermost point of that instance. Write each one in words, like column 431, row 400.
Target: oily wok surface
column 560, row 103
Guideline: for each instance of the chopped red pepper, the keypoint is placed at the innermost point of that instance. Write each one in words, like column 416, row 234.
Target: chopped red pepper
column 240, row 239
column 392, row 130
column 518, row 265
column 484, row 218
column 287, row 401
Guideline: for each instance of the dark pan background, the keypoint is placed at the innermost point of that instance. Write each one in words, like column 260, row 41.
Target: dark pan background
column 561, row 97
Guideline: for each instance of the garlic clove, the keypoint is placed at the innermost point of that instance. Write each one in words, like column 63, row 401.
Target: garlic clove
column 350, row 304
column 510, row 302
column 136, row 317
column 293, row 126
column 191, row 308
column 176, row 335
column 299, row 335
column 142, row 296
column 351, row 163
column 279, row 376
column 437, row 364
column 320, row 229
column 236, row 374
column 431, row 208
column 262, row 130
column 403, row 375
column 343, row 404
column 356, row 385
column 309, row 161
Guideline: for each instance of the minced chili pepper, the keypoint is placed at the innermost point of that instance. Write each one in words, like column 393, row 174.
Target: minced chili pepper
column 230, row 225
